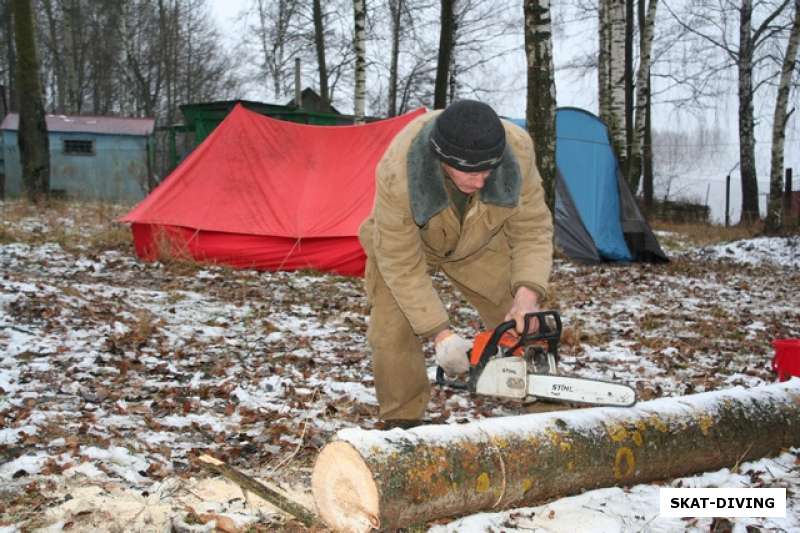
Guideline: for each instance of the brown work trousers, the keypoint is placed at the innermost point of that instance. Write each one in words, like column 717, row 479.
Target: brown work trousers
column 398, row 363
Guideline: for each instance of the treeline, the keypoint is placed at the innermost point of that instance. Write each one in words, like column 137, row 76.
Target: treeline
column 384, row 57
column 122, row 57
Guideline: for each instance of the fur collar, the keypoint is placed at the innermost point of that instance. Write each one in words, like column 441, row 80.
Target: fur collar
column 426, row 187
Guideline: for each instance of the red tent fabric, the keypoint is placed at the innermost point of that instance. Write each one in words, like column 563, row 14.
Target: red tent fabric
column 268, row 194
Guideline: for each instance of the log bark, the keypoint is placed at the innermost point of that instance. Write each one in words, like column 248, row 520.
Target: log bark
column 388, row 479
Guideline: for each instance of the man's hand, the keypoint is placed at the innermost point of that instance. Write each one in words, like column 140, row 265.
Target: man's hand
column 525, row 301
column 452, row 353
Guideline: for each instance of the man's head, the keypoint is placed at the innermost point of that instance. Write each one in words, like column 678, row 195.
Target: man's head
column 469, row 137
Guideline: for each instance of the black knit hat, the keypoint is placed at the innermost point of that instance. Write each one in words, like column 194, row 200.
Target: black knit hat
column 469, row 136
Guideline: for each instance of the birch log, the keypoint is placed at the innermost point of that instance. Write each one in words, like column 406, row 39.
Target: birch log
column 389, row 479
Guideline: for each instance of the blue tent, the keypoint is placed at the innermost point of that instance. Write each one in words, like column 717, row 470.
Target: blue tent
column 596, row 215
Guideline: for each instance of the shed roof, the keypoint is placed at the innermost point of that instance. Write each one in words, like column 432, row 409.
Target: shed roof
column 88, row 124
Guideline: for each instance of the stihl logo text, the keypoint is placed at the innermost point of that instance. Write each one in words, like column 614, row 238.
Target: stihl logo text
column 561, row 388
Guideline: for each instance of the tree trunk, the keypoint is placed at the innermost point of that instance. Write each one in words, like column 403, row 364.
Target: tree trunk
column 646, row 30
column 55, row 43
column 360, row 14
column 603, row 60
column 11, row 58
column 396, row 12
column 747, row 143
column 775, row 207
column 541, row 108
column 616, row 110
column 319, row 43
column 390, row 479
column 446, row 38
column 629, row 30
column 647, row 155
column 34, row 146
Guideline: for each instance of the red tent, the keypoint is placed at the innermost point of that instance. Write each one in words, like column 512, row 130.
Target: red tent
column 268, row 194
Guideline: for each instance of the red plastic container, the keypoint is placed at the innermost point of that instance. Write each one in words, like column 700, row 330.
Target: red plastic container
column 787, row 358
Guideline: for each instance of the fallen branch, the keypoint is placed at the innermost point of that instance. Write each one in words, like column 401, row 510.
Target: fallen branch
column 247, row 483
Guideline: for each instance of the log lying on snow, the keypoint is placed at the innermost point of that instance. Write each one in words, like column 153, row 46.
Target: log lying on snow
column 386, row 479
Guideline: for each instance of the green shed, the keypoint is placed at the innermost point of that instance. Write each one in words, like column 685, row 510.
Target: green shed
column 200, row 119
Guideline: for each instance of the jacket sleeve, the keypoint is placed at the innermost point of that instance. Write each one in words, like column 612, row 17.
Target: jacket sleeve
column 399, row 256
column 530, row 229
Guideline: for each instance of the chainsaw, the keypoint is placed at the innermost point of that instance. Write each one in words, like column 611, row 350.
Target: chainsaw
column 524, row 367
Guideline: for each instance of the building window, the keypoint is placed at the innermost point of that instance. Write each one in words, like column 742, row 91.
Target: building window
column 78, row 147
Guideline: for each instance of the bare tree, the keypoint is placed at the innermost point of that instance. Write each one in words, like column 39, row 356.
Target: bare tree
column 396, row 8
column 541, row 108
column 279, row 43
column 638, row 133
column 319, row 46
column 611, row 73
column 446, row 38
column 360, row 44
column 34, row 146
column 10, row 58
column 712, row 24
column 144, row 67
column 772, row 224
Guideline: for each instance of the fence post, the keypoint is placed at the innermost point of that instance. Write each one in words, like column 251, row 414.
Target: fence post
column 727, row 200
column 787, row 198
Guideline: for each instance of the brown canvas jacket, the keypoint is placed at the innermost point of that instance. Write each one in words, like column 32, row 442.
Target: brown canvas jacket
column 414, row 229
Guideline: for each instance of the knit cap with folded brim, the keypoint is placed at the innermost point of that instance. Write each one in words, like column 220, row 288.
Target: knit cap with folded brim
column 469, row 136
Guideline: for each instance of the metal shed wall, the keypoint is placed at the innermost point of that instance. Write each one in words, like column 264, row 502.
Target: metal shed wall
column 117, row 171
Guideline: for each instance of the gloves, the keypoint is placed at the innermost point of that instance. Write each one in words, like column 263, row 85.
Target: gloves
column 452, row 354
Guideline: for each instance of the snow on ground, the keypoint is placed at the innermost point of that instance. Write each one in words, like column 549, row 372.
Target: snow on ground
column 115, row 375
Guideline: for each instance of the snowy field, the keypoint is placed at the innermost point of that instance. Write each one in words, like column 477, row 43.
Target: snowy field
column 115, row 375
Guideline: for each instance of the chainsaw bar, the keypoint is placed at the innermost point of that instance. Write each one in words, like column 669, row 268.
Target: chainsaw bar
column 580, row 390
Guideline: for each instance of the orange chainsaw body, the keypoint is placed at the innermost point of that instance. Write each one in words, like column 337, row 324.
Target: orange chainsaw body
column 507, row 341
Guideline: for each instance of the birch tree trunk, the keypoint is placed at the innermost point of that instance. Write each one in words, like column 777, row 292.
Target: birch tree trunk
column 604, row 60
column 446, row 38
column 541, row 105
column 360, row 14
column 391, row 479
column 611, row 72
column 319, row 43
column 616, row 109
column 747, row 143
column 773, row 222
column 629, row 118
column 34, row 146
column 646, row 32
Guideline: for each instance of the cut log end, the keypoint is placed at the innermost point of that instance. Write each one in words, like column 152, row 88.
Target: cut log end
column 344, row 489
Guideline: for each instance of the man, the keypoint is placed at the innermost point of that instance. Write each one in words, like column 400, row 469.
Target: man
column 458, row 192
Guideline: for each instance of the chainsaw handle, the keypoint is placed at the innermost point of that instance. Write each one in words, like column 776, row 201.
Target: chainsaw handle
column 545, row 332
